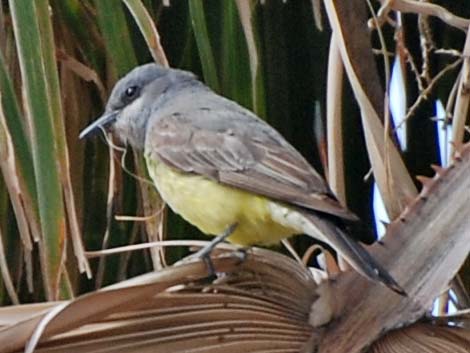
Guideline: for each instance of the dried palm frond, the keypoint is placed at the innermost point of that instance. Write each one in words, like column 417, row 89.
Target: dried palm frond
column 262, row 303
column 424, row 338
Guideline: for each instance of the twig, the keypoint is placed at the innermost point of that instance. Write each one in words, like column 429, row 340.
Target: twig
column 451, row 52
column 426, row 43
column 410, row 6
column 423, row 95
column 414, row 69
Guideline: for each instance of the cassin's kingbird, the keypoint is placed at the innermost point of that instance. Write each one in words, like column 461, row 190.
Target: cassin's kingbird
column 218, row 165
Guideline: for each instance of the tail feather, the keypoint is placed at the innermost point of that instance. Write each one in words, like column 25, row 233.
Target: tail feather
column 354, row 253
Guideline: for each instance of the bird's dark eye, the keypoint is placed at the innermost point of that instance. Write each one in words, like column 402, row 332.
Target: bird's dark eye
column 131, row 91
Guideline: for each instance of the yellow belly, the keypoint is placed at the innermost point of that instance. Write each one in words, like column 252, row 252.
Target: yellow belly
column 212, row 207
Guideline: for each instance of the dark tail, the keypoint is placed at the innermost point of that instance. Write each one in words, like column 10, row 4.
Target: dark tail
column 354, row 253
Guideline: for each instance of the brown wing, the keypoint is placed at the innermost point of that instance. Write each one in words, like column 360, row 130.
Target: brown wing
column 236, row 148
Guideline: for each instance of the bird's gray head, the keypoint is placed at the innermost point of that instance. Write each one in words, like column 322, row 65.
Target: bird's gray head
column 132, row 100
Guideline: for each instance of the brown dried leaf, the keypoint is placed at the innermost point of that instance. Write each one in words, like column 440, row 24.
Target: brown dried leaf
column 424, row 338
column 263, row 303
column 463, row 99
column 334, row 122
column 391, row 175
column 423, row 251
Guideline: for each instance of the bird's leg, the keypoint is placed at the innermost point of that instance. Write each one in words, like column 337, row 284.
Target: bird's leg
column 205, row 252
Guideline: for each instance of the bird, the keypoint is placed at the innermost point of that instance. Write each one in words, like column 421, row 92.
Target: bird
column 224, row 169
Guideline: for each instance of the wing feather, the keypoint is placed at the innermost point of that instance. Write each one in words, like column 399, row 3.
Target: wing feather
column 244, row 152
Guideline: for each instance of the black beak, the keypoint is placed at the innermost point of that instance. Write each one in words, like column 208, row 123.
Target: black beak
column 99, row 123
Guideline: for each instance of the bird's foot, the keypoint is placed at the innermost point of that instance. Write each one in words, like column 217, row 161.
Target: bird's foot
column 241, row 254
